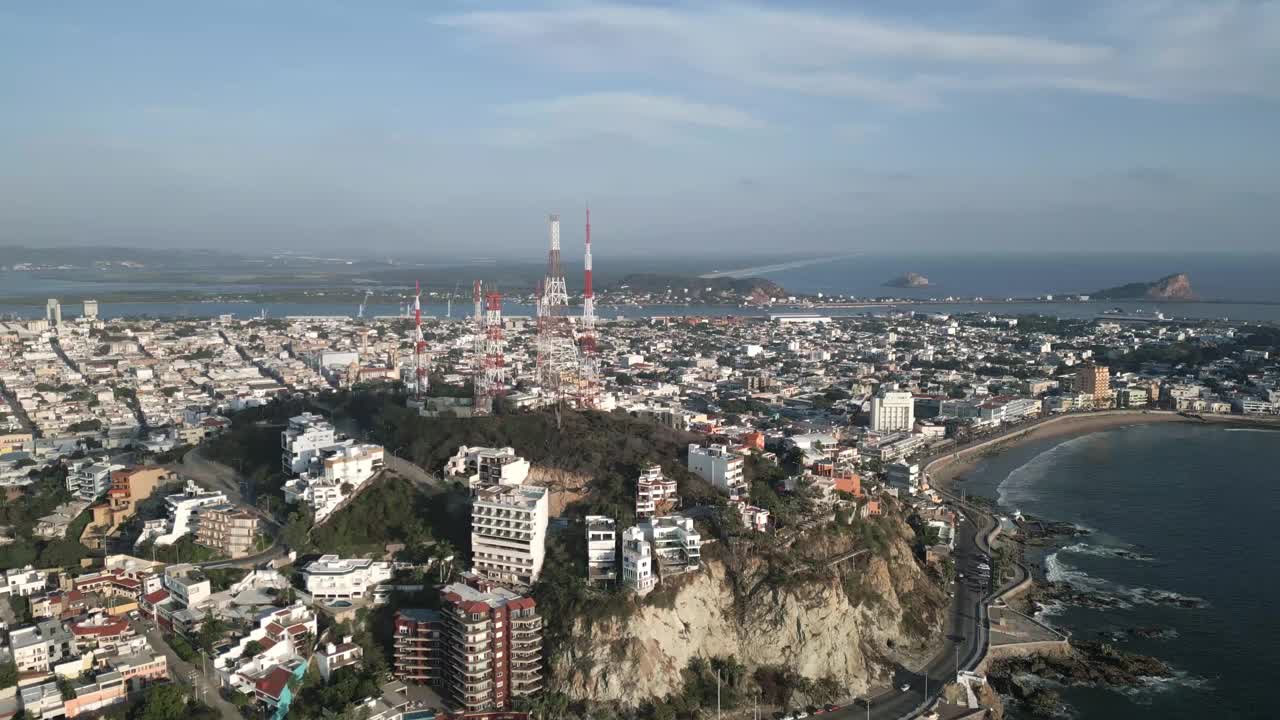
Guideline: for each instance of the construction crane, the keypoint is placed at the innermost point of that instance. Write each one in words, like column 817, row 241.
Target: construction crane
column 367, row 294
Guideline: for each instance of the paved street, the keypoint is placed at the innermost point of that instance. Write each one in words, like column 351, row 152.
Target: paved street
column 205, row 688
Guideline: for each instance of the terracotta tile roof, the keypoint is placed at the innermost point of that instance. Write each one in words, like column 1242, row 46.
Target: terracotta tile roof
column 274, row 682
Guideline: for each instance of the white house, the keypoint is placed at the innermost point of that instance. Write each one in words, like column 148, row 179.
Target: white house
column 718, row 466
column 334, row 578
column 184, row 509
column 302, row 440
column 343, row 470
column 89, row 481
column 676, row 544
column 23, row 582
column 483, row 466
column 655, row 494
column 637, row 561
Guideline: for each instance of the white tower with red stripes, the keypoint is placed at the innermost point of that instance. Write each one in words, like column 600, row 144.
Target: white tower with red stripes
column 419, row 345
column 491, row 383
column 588, row 390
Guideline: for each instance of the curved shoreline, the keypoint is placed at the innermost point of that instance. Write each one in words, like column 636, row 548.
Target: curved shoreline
column 943, row 469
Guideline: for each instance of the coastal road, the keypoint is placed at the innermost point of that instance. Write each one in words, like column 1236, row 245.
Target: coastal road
column 965, row 638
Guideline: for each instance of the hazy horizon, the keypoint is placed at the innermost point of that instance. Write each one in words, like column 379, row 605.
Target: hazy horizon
column 749, row 129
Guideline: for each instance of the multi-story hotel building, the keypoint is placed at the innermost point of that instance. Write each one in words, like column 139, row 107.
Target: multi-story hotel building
column 482, row 649
column 892, row 411
column 227, row 529
column 508, row 533
column 1095, row 380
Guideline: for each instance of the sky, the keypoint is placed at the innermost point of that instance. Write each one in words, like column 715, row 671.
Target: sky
column 701, row 127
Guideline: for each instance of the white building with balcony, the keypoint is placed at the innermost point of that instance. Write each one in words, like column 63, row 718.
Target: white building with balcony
column 718, row 466
column 602, row 549
column 637, row 562
column 184, row 511
column 89, row 481
column 508, row 533
column 334, row 578
column 302, row 440
column 484, row 466
column 343, row 469
column 677, row 546
column 655, row 493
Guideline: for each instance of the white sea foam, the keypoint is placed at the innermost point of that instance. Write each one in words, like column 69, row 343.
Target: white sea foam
column 1107, row 551
column 1122, row 597
column 1145, row 693
column 1018, row 486
column 1261, row 430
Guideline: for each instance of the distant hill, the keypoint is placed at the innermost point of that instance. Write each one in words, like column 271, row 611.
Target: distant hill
column 1169, row 287
column 699, row 288
column 908, row 280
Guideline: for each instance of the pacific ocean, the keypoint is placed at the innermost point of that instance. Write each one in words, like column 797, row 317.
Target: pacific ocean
column 1177, row 512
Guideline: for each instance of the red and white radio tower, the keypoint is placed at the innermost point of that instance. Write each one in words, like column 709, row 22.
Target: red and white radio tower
column 491, row 382
column 419, row 344
column 589, row 387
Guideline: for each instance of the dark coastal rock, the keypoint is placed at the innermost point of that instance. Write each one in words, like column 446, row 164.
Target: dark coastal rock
column 1090, row 663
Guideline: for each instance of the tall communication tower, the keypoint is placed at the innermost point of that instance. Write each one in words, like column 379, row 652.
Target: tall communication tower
column 491, row 382
column 557, row 351
column 419, row 345
column 588, row 382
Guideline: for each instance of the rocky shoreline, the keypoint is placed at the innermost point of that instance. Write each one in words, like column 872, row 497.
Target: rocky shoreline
column 1089, row 664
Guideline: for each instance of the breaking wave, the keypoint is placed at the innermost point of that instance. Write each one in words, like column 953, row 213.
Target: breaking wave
column 1107, row 551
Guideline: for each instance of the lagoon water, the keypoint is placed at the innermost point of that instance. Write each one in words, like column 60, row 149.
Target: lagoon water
column 1177, row 511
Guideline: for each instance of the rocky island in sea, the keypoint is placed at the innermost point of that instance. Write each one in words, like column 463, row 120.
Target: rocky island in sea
column 908, row 280
column 1169, row 287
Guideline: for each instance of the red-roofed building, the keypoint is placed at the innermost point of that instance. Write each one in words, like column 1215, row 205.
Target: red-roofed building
column 270, row 688
column 482, row 649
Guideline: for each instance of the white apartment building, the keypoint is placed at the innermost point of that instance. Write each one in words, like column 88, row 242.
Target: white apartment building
column 334, row 578
column 343, row 470
column 184, row 510
column 655, row 494
column 89, row 481
column 677, row 546
column 508, row 533
column 483, row 466
column 718, row 466
column 187, row 585
column 37, row 648
column 302, row 440
column 637, row 562
column 892, row 411
column 602, row 549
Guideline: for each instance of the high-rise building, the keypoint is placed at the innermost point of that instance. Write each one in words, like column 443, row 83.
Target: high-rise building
column 53, row 312
column 892, row 411
column 482, row 649
column 1095, row 380
column 508, row 533
column 90, row 310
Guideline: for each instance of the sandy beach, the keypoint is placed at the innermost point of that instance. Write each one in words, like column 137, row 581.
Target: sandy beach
column 946, row 468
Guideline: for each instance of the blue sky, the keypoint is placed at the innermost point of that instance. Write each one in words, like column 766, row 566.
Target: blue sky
column 708, row 126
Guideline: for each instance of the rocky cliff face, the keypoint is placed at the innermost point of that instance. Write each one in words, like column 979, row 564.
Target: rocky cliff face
column 1169, row 287
column 908, row 280
column 850, row 623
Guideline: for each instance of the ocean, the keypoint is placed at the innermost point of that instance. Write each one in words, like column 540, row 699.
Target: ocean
column 1240, row 278
column 1176, row 512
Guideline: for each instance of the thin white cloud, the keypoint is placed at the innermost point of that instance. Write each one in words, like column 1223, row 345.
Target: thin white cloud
column 1148, row 49
column 638, row 116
